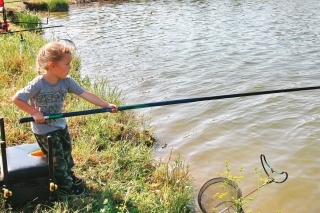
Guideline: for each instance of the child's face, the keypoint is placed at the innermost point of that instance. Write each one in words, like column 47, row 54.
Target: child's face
column 62, row 67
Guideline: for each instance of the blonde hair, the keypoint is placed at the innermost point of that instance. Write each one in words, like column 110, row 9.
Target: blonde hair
column 52, row 52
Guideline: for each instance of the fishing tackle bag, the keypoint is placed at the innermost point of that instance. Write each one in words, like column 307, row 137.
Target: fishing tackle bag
column 26, row 174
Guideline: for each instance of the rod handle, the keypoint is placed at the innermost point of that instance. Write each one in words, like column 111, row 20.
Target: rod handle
column 26, row 119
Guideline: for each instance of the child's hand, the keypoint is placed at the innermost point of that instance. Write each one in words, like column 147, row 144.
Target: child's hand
column 38, row 117
column 114, row 108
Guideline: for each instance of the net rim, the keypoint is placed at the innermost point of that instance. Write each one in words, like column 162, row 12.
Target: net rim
column 214, row 181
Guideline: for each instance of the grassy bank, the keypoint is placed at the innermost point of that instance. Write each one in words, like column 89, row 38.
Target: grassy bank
column 38, row 5
column 113, row 152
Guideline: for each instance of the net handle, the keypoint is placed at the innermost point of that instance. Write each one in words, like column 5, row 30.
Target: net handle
column 264, row 162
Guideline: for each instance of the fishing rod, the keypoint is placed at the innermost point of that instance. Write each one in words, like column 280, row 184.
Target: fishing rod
column 164, row 103
column 39, row 28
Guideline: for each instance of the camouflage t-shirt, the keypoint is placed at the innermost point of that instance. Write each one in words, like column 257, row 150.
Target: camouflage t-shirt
column 49, row 98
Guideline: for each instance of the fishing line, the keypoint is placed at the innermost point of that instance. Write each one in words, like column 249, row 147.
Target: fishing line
column 56, row 37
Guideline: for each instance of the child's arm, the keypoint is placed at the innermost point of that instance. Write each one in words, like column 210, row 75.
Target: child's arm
column 35, row 113
column 96, row 100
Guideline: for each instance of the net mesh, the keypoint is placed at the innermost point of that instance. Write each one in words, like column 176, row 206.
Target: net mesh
column 218, row 195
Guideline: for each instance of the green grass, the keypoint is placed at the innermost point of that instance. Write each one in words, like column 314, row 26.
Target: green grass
column 113, row 152
column 58, row 5
column 26, row 20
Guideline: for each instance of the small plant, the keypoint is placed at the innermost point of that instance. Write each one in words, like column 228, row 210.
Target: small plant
column 230, row 194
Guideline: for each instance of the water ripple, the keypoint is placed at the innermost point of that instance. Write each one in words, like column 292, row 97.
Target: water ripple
column 165, row 50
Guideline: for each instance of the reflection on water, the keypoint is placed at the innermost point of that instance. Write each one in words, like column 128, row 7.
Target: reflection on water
column 166, row 50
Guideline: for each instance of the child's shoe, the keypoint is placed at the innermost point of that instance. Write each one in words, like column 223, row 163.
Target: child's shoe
column 77, row 190
column 76, row 180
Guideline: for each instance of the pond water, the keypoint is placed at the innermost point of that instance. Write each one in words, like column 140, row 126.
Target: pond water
column 167, row 50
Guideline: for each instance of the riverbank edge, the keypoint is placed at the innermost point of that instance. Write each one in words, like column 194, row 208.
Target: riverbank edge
column 42, row 5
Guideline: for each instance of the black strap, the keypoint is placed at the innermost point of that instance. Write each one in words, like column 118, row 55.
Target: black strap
column 263, row 162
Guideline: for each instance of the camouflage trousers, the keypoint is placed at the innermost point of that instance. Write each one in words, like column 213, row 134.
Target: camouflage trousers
column 62, row 158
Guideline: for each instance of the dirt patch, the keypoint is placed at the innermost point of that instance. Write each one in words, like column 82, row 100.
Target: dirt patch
column 40, row 6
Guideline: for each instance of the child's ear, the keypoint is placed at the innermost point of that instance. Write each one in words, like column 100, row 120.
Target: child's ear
column 51, row 64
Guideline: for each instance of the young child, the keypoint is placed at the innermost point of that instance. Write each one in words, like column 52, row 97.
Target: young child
column 45, row 95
